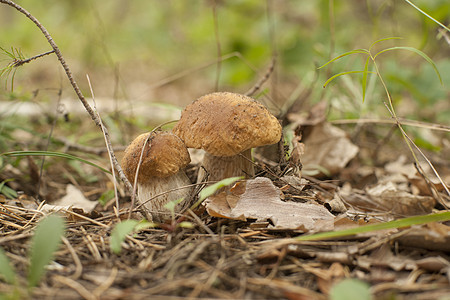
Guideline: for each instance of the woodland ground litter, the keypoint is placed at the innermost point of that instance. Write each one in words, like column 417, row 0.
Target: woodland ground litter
column 234, row 259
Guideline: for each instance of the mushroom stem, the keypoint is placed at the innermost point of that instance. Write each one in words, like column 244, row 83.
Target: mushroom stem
column 220, row 167
column 157, row 192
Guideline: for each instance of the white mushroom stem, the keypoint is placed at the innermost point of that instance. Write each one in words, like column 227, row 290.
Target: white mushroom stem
column 157, row 192
column 221, row 167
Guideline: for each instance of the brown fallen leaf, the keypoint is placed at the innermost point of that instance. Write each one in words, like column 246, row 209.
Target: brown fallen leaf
column 336, row 205
column 411, row 175
column 384, row 258
column 389, row 198
column 433, row 264
column 328, row 147
column 259, row 199
column 73, row 198
column 432, row 236
column 293, row 183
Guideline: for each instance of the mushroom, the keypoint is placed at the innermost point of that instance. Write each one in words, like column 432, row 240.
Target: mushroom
column 227, row 126
column 164, row 157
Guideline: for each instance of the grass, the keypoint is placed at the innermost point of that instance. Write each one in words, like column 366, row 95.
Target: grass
column 396, row 224
column 52, row 154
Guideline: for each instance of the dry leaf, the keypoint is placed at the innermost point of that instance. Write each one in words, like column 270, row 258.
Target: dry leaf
column 400, row 166
column 336, row 205
column 73, row 198
column 433, row 264
column 293, row 183
column 384, row 258
column 295, row 159
column 409, row 171
column 259, row 199
column 388, row 197
column 317, row 114
column 329, row 147
column 433, row 236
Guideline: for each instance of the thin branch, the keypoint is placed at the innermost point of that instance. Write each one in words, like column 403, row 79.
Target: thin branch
column 77, row 90
column 266, row 76
column 405, row 122
column 106, row 142
column 21, row 62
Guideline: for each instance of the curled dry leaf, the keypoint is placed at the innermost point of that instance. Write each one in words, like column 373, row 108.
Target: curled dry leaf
column 293, row 183
column 259, row 199
column 336, row 205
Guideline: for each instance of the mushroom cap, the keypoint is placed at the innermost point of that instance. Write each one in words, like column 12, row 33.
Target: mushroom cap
column 226, row 124
column 164, row 155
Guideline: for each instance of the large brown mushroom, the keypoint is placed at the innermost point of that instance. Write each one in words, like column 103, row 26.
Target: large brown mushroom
column 164, row 158
column 227, row 126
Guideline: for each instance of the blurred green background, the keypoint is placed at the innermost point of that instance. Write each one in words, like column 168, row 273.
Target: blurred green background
column 130, row 48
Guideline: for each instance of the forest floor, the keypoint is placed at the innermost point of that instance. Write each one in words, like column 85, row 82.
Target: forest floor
column 231, row 258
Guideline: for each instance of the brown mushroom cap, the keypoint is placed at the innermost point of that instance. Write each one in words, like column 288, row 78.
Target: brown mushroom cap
column 164, row 155
column 225, row 124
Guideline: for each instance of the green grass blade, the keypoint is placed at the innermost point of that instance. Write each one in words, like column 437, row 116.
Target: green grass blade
column 210, row 190
column 45, row 242
column 343, row 73
column 5, row 268
column 6, row 190
column 356, row 51
column 119, row 233
column 422, row 54
column 428, row 16
column 406, row 222
column 384, row 39
column 54, row 154
column 364, row 80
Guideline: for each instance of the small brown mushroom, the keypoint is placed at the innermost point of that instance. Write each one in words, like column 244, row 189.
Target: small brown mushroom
column 164, row 158
column 227, row 126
